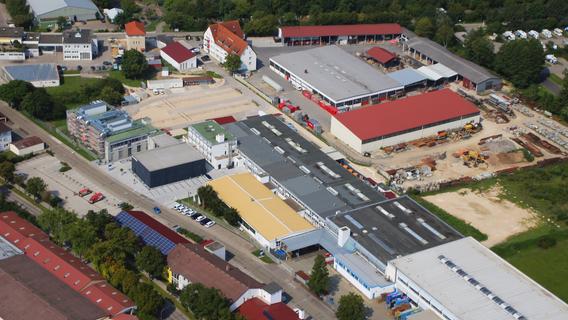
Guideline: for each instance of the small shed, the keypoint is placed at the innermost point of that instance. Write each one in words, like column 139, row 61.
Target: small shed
column 382, row 56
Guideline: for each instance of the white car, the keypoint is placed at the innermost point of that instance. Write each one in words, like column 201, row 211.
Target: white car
column 210, row 224
column 200, row 218
column 195, row 50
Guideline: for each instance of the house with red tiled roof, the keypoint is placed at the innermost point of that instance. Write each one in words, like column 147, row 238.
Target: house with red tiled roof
column 191, row 263
column 135, row 36
column 179, row 56
column 67, row 268
column 256, row 309
column 224, row 38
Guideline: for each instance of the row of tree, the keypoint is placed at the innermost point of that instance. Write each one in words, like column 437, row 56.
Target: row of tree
column 20, row 12
column 115, row 252
column 211, row 201
column 38, row 103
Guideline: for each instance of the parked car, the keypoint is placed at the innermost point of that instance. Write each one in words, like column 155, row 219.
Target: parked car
column 201, row 217
column 204, row 221
column 195, row 50
column 107, row 63
column 197, row 216
column 157, row 210
column 210, row 224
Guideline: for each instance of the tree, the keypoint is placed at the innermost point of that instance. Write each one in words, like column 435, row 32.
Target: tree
column 205, row 302
column 351, row 307
column 110, row 96
column 38, row 104
column 319, row 277
column 61, row 22
column 444, row 34
column 151, row 260
column 148, row 300
column 478, row 48
column 7, row 169
column 521, row 61
column 55, row 223
column 232, row 63
column 99, row 220
column 80, row 235
column 262, row 25
column 14, row 92
column 134, row 64
column 35, row 186
column 424, row 27
column 232, row 216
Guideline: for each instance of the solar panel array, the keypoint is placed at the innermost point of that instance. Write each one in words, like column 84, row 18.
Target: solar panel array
column 147, row 234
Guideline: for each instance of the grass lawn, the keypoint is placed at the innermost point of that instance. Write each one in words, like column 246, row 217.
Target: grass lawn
column 118, row 75
column 264, row 258
column 70, row 85
column 549, row 267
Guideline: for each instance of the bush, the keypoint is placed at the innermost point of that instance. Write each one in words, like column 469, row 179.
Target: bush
column 546, row 242
column 195, row 237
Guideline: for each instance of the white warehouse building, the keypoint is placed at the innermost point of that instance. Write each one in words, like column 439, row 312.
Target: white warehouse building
column 371, row 128
column 463, row 280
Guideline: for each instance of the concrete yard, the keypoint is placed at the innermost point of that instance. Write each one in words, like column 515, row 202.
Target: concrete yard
column 67, row 184
column 193, row 104
column 486, row 211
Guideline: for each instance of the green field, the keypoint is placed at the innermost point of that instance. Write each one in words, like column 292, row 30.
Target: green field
column 118, row 75
column 70, row 87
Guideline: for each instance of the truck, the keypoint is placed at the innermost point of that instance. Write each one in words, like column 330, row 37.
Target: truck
column 96, row 198
column 286, row 107
column 83, row 192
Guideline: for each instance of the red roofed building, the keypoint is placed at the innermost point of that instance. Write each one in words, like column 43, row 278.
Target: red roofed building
column 191, row 263
column 224, row 38
column 338, row 34
column 373, row 127
column 256, row 309
column 67, row 268
column 382, row 56
column 179, row 56
column 135, row 36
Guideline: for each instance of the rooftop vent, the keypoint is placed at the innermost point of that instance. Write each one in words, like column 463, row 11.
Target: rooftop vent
column 416, row 236
column 385, row 212
column 401, row 207
column 431, row 229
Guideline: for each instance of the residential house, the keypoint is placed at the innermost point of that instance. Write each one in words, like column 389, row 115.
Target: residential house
column 224, row 38
column 179, row 56
column 135, row 36
column 27, row 145
column 79, row 45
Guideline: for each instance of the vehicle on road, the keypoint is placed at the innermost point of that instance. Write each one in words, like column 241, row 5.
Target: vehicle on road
column 96, row 198
column 157, row 210
column 85, row 191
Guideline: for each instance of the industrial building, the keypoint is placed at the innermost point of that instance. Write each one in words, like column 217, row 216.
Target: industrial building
column 217, row 145
column 39, row 75
column 108, row 132
column 410, row 78
column 266, row 217
column 300, row 171
column 371, row 128
column 179, row 56
column 225, row 38
column 464, row 280
column 79, row 45
column 68, row 269
column 473, row 76
column 73, row 10
column 150, row 231
column 338, row 34
column 169, row 164
column 341, row 79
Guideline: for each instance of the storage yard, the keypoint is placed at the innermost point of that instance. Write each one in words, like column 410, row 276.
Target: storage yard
column 192, row 104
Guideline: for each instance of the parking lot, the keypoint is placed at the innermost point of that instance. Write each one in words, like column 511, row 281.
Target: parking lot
column 182, row 106
column 66, row 185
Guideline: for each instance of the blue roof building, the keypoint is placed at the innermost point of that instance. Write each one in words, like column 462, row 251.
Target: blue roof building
column 39, row 75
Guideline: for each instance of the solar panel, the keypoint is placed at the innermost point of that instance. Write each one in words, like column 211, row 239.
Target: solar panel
column 148, row 235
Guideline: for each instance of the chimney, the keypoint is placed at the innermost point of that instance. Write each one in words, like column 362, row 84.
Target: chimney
column 343, row 235
column 227, row 267
column 220, row 137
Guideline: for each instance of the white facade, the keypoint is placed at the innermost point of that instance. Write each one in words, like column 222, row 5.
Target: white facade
column 346, row 136
column 186, row 65
column 80, row 51
column 165, row 83
column 5, row 140
column 248, row 57
column 219, row 154
column 13, row 55
column 24, row 151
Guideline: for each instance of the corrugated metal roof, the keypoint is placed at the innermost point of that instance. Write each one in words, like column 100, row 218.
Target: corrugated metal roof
column 40, row 7
column 407, row 77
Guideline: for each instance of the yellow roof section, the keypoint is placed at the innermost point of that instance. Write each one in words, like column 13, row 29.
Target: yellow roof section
column 267, row 213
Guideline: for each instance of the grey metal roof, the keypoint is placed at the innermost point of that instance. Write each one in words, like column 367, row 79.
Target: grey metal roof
column 407, row 77
column 384, row 237
column 438, row 53
column 167, row 157
column 49, row 39
column 336, row 73
column 446, row 283
column 41, row 7
column 33, row 72
column 277, row 156
column 77, row 36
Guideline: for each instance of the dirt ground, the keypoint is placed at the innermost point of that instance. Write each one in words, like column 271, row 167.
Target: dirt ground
column 496, row 217
column 193, row 104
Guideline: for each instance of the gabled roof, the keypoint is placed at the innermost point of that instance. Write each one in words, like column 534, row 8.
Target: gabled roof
column 40, row 7
column 407, row 113
column 381, row 55
column 135, row 28
column 229, row 36
column 178, row 52
column 256, row 309
column 153, row 224
column 67, row 268
column 199, row 266
column 340, row 30
column 27, row 142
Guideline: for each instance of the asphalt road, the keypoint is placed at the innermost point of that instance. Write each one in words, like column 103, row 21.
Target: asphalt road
column 551, row 86
column 234, row 243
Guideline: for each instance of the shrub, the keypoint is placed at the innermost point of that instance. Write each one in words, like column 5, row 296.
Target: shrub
column 546, row 242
